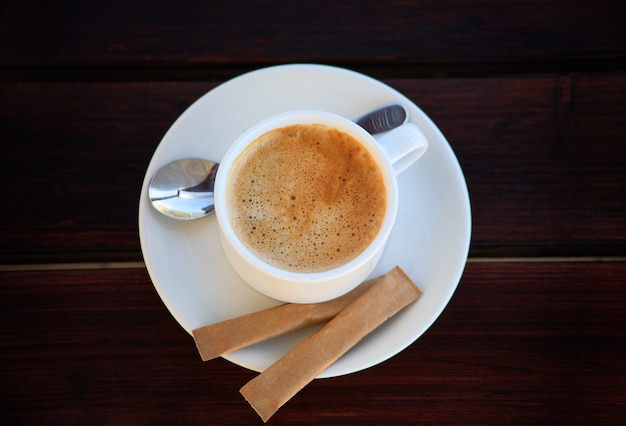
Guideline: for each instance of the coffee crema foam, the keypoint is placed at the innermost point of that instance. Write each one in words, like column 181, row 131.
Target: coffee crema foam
column 306, row 198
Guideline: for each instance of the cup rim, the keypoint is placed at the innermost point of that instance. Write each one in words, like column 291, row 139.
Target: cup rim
column 306, row 116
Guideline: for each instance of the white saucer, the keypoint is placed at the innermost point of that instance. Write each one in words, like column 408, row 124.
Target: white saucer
column 430, row 240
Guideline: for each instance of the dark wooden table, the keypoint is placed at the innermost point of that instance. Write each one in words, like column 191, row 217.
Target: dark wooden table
column 532, row 98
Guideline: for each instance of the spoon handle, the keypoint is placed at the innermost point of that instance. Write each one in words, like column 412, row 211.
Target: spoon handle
column 383, row 119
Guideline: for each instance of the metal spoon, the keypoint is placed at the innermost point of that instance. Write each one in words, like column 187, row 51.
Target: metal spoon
column 183, row 189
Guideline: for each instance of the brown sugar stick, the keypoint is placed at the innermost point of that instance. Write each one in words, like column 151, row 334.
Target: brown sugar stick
column 282, row 380
column 226, row 336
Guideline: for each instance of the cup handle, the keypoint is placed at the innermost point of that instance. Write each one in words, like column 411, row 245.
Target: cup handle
column 403, row 146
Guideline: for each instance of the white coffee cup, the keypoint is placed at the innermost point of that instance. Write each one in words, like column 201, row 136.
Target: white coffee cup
column 393, row 153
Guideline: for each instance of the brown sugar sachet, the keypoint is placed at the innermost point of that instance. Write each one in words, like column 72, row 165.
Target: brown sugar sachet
column 226, row 336
column 267, row 392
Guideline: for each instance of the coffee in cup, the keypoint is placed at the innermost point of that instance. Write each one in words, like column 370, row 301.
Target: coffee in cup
column 306, row 198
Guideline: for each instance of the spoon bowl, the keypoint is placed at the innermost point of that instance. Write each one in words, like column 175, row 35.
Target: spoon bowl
column 183, row 189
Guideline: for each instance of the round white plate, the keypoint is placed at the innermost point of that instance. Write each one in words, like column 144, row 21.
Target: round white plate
column 430, row 240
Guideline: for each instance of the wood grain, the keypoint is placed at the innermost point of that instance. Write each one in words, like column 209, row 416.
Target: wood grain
column 543, row 157
column 203, row 38
column 521, row 343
